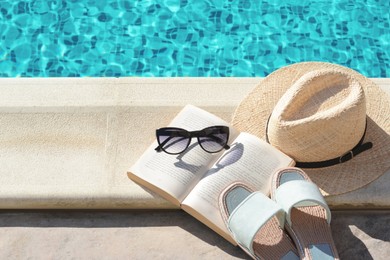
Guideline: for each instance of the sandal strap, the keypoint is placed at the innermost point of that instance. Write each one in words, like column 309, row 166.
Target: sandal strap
column 300, row 193
column 250, row 215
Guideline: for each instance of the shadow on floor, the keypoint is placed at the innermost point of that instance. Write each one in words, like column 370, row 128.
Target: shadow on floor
column 357, row 234
column 118, row 219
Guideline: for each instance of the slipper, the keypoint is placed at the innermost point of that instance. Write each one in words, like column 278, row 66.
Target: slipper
column 307, row 214
column 255, row 222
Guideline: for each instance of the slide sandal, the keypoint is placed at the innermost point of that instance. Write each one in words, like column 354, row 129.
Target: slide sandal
column 307, row 214
column 256, row 223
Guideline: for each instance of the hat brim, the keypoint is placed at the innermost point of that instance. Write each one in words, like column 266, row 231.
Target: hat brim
column 252, row 114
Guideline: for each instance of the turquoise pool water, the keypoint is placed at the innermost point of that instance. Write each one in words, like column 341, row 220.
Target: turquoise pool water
column 201, row 38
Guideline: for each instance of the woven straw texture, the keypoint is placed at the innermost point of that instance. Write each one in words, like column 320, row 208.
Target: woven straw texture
column 253, row 112
column 309, row 223
column 270, row 241
column 320, row 117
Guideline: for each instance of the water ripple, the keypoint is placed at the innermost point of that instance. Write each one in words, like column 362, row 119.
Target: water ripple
column 190, row 38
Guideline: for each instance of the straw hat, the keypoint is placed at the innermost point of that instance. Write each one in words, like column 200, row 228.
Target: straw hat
column 333, row 121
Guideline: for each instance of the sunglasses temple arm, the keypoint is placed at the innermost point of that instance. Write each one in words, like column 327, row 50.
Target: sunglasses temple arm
column 160, row 146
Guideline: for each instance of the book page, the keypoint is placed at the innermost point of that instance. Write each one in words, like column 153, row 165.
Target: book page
column 178, row 174
column 249, row 160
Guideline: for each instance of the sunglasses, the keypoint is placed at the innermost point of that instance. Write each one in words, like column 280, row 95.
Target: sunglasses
column 173, row 140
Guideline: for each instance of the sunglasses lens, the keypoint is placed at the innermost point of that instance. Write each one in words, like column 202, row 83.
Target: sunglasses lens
column 215, row 140
column 173, row 145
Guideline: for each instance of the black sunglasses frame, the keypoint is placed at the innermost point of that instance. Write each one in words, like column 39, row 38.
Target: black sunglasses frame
column 180, row 132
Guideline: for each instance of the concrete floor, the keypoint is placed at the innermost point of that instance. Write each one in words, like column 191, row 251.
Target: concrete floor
column 160, row 235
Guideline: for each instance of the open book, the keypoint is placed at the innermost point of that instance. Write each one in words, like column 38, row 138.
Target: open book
column 194, row 179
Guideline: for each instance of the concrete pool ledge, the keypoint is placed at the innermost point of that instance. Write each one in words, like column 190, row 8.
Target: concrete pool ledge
column 67, row 143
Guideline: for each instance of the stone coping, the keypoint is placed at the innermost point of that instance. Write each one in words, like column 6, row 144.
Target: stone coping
column 67, row 143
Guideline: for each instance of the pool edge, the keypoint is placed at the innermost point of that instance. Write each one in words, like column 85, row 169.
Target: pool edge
column 108, row 107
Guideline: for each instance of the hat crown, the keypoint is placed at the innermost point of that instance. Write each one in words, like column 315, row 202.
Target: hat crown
column 320, row 117
column 253, row 114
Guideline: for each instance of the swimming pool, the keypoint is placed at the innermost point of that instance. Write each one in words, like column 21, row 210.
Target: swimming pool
column 200, row 38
